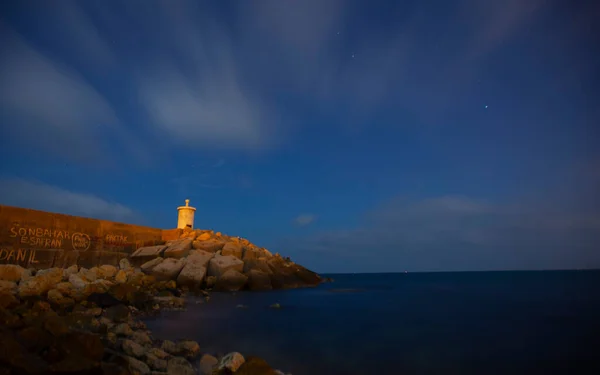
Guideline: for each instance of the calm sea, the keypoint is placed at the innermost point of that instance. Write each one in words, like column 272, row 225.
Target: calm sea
column 416, row 323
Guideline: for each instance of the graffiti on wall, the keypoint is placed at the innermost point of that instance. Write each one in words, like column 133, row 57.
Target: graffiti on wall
column 18, row 255
column 50, row 239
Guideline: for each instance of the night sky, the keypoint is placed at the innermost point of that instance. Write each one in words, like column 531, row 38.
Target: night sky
column 353, row 136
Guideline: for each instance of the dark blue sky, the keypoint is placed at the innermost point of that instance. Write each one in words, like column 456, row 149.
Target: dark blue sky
column 353, row 136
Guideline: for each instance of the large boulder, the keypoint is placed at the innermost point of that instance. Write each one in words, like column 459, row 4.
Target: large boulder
column 149, row 265
column 250, row 253
column 39, row 284
column 232, row 248
column 12, row 272
column 231, row 281
column 192, row 275
column 209, row 245
column 168, row 269
column 204, row 236
column 258, row 280
column 222, row 263
column 178, row 249
column 257, row 264
column 286, row 274
column 144, row 254
column 107, row 271
column 200, row 257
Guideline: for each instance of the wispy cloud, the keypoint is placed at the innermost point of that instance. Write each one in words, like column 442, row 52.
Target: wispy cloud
column 459, row 233
column 41, row 196
column 305, row 219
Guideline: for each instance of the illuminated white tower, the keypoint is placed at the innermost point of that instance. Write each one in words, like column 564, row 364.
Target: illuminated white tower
column 186, row 216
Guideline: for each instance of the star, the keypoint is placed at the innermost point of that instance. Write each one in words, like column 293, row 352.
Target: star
column 486, row 107
column 352, row 55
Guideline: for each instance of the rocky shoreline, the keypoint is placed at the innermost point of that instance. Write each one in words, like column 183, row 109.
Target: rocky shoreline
column 87, row 321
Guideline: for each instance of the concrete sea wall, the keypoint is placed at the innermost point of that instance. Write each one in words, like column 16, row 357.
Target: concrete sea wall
column 38, row 239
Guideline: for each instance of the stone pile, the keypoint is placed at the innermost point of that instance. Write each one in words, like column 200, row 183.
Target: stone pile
column 204, row 259
column 85, row 321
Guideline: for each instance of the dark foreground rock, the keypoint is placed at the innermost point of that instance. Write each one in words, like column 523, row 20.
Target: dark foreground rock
column 86, row 321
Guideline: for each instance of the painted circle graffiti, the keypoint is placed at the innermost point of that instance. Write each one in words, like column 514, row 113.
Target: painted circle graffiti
column 81, row 241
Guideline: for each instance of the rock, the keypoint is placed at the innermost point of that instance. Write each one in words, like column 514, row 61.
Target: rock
column 159, row 353
column 11, row 272
column 179, row 366
column 169, row 347
column 8, row 287
column 148, row 252
column 155, row 363
column 121, row 277
column 203, row 236
column 250, row 253
column 256, row 264
column 8, row 301
column 132, row 348
column 77, row 282
column 122, row 329
column 58, row 299
column 231, row 281
column 187, row 348
column 209, row 245
column 40, row 283
column 207, row 364
column 221, row 264
column 149, row 265
column 76, row 352
column 168, row 269
column 258, row 280
column 134, row 366
column 255, row 366
column 17, row 357
column 107, row 271
column 200, row 257
column 103, row 300
column 211, row 281
column 233, row 249
column 178, row 249
column 232, row 362
column 124, row 264
column 71, row 270
column 192, row 275
column 88, row 275
column 118, row 313
column 141, row 338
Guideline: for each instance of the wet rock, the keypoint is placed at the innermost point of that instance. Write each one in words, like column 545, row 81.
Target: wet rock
column 211, row 281
column 179, row 366
column 132, row 348
column 258, row 280
column 118, row 313
column 40, row 283
column 149, row 265
column 207, row 364
column 233, row 249
column 258, row 265
column 231, row 281
column 232, row 362
column 168, row 269
column 107, row 271
column 88, row 275
column 255, row 366
column 221, row 264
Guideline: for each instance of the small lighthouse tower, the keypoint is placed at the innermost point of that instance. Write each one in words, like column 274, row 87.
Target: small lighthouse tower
column 185, row 217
